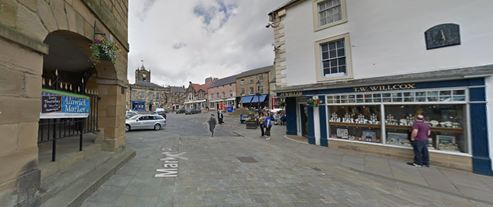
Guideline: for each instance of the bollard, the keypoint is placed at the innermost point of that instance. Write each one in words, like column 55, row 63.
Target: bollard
column 241, row 119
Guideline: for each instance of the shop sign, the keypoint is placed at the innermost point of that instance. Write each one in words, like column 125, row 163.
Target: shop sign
column 299, row 93
column 60, row 104
column 394, row 87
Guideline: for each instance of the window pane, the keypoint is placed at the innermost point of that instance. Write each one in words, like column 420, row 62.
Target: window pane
column 459, row 92
column 333, row 54
column 325, row 48
column 459, row 98
column 332, row 46
column 342, row 61
column 326, row 64
column 333, row 70
column 325, row 55
column 326, row 72
column 342, row 69
column 367, row 116
column 341, row 52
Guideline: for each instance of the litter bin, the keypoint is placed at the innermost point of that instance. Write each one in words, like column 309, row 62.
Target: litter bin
column 241, row 119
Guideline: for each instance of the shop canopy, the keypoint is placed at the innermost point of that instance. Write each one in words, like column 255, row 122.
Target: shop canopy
column 262, row 98
column 246, row 99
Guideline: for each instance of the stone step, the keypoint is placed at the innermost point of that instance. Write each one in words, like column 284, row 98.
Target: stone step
column 102, row 166
column 49, row 168
column 59, row 181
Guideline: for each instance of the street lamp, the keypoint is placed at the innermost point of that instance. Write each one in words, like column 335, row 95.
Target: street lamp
column 258, row 94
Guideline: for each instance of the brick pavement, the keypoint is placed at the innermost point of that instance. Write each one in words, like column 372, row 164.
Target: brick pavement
column 286, row 173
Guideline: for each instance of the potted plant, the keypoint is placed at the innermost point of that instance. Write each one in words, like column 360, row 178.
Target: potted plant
column 103, row 50
column 251, row 123
column 314, row 102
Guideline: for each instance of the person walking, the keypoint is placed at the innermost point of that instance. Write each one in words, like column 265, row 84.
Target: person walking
column 212, row 124
column 419, row 136
column 261, row 119
column 268, row 125
column 220, row 116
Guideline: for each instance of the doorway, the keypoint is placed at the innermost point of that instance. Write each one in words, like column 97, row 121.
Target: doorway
column 150, row 107
column 303, row 120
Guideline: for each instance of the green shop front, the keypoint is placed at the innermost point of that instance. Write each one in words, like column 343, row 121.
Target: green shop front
column 376, row 119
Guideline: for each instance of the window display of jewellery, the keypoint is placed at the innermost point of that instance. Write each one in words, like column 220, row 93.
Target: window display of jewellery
column 360, row 120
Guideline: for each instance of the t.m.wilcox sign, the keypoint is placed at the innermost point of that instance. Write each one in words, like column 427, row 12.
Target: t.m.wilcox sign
column 60, row 104
column 392, row 87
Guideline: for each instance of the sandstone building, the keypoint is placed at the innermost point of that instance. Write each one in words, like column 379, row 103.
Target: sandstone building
column 145, row 95
column 252, row 83
column 44, row 46
column 176, row 98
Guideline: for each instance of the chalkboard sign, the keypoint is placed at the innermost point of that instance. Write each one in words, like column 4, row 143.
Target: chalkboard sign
column 50, row 104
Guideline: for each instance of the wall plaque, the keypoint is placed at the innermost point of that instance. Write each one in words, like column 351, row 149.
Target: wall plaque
column 442, row 35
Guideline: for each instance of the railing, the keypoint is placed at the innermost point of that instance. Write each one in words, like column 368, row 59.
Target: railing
column 51, row 130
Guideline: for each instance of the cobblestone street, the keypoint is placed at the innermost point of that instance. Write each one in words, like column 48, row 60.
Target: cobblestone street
column 233, row 170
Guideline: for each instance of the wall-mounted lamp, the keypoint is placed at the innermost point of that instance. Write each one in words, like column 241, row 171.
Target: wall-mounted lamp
column 271, row 25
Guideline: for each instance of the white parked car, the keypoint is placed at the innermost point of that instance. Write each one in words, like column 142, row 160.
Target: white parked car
column 145, row 121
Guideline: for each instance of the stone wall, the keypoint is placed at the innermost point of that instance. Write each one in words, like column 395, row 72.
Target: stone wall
column 24, row 25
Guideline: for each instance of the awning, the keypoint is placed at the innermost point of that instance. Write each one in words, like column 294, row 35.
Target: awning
column 246, row 99
column 262, row 98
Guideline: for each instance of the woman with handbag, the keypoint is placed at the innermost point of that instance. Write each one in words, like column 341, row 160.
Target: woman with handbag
column 268, row 125
column 261, row 119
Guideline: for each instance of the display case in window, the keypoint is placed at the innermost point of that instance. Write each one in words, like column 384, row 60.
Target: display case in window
column 447, row 124
column 357, row 123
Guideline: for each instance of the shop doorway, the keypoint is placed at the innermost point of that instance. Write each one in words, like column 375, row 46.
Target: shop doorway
column 150, row 107
column 302, row 120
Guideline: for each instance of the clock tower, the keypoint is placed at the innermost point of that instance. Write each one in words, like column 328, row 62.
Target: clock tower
column 141, row 74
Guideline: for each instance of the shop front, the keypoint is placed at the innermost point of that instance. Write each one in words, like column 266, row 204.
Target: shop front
column 138, row 105
column 376, row 119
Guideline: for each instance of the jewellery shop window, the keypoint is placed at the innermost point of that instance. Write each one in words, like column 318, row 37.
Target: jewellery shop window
column 448, row 125
column 355, row 122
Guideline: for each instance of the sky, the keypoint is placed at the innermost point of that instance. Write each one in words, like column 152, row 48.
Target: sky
column 190, row 40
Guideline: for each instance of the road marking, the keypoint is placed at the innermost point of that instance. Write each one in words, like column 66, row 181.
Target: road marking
column 170, row 166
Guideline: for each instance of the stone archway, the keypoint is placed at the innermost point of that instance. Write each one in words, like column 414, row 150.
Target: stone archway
column 69, row 53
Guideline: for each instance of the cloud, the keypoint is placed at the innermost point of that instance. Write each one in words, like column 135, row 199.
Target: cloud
column 191, row 40
column 179, row 45
column 147, row 4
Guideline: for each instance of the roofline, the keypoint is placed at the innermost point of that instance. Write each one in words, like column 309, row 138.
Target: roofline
column 284, row 6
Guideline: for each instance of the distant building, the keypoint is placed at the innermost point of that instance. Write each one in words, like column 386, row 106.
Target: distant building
column 252, row 87
column 196, row 94
column 222, row 93
column 144, row 95
column 176, row 97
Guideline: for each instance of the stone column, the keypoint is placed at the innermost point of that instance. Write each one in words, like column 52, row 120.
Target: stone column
column 111, row 115
column 20, row 93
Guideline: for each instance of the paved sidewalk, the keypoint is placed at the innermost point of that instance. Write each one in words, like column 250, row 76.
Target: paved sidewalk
column 439, row 179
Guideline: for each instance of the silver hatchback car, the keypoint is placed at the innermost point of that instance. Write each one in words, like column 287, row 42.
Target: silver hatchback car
column 145, row 121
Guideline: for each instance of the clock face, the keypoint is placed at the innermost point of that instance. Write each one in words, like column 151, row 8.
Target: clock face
column 144, row 75
column 443, row 35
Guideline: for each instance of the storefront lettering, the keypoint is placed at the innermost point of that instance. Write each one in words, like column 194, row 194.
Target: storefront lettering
column 291, row 94
column 385, row 87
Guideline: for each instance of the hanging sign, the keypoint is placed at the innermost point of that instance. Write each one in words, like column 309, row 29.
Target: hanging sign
column 60, row 104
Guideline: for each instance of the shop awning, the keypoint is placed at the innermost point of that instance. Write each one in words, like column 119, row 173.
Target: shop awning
column 262, row 98
column 246, row 99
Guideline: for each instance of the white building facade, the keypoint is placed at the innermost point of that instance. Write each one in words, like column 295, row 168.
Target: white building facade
column 376, row 64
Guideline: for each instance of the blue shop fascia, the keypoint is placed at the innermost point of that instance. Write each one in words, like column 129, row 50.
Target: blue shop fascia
column 375, row 118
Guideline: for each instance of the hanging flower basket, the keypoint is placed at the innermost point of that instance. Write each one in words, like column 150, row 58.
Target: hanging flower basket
column 103, row 50
column 282, row 104
column 314, row 102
